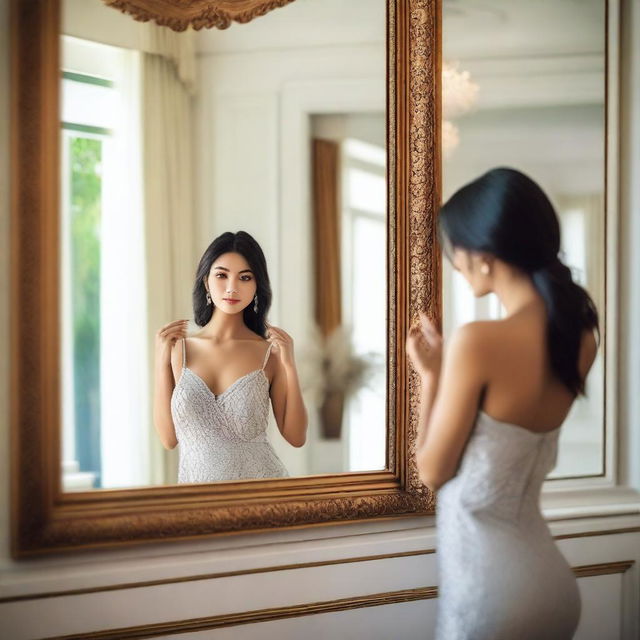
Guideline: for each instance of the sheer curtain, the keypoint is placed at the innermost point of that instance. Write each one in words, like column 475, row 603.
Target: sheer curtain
column 168, row 81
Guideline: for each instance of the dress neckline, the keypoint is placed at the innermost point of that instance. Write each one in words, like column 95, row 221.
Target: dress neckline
column 519, row 427
column 204, row 384
column 231, row 386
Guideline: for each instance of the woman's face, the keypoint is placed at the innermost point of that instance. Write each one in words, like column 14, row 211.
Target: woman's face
column 231, row 283
column 476, row 270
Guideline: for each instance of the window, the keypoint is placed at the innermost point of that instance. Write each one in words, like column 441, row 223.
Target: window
column 364, row 235
column 102, row 231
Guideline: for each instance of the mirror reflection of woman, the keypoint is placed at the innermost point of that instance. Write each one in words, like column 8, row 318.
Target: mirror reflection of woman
column 213, row 389
column 491, row 411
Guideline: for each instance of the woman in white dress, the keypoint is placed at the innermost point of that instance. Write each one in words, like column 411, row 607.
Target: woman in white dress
column 214, row 389
column 491, row 411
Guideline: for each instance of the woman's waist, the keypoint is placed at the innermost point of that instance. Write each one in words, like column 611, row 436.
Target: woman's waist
column 477, row 498
column 220, row 439
column 204, row 414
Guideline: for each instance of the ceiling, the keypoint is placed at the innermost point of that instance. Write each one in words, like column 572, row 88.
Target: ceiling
column 472, row 28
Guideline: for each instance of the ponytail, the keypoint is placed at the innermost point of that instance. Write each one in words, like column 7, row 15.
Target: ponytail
column 570, row 310
column 506, row 214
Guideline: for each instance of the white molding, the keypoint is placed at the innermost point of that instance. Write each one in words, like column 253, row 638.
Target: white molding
column 548, row 64
column 604, row 501
column 611, row 330
column 213, row 556
column 579, row 489
column 537, row 81
column 628, row 320
column 299, row 101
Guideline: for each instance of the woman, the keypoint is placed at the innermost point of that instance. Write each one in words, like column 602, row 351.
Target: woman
column 225, row 374
column 490, row 415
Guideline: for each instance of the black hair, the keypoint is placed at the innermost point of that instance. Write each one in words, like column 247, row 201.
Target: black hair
column 244, row 244
column 506, row 214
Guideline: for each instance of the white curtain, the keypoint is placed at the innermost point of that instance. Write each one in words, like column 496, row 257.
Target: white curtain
column 168, row 80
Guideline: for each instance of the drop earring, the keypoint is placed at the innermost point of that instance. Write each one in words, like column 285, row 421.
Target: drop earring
column 484, row 269
column 255, row 304
column 208, row 298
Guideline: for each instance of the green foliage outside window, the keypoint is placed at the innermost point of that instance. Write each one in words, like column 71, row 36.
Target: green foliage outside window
column 85, row 198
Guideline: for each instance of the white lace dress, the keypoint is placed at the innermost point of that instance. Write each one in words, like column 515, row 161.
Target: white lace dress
column 223, row 437
column 501, row 575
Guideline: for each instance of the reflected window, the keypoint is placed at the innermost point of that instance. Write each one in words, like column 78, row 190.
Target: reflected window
column 86, row 128
column 101, row 223
column 365, row 299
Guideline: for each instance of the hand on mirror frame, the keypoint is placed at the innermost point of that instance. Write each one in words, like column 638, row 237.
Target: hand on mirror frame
column 167, row 336
column 424, row 346
column 283, row 344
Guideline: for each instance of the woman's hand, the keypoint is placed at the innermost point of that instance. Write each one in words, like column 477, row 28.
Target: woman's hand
column 164, row 381
column 424, row 347
column 166, row 337
column 283, row 344
column 286, row 395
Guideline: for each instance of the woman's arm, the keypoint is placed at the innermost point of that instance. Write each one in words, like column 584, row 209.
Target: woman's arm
column 166, row 338
column 450, row 393
column 286, row 395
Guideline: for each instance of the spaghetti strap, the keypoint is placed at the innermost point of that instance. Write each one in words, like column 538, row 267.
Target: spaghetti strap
column 184, row 352
column 266, row 357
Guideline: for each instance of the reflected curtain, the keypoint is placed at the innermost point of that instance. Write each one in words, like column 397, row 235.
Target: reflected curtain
column 167, row 92
column 326, row 228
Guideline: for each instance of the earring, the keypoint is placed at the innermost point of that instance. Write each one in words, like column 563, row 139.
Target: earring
column 484, row 269
column 255, row 304
column 208, row 298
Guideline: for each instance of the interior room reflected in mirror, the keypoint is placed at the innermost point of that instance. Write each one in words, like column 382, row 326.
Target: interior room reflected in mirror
column 522, row 90
column 168, row 140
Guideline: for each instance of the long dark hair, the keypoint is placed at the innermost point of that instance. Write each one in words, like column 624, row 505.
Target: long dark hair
column 244, row 244
column 506, row 214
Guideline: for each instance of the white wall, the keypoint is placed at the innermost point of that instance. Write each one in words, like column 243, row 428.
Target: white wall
column 610, row 601
column 629, row 233
column 369, row 128
column 559, row 146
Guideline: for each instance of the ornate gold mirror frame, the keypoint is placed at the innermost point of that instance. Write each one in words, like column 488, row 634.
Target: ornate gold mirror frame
column 44, row 519
column 198, row 14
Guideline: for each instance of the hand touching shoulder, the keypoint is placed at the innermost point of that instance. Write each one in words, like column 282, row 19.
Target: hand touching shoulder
column 454, row 411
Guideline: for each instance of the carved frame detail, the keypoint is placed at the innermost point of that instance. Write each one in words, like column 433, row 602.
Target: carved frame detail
column 196, row 14
column 46, row 520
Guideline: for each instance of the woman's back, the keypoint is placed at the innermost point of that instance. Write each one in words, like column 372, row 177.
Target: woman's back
column 521, row 386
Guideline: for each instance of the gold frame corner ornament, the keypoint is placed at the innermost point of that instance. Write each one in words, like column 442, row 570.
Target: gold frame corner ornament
column 179, row 15
column 46, row 520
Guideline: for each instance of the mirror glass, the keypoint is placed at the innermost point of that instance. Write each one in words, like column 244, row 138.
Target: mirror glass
column 277, row 128
column 524, row 86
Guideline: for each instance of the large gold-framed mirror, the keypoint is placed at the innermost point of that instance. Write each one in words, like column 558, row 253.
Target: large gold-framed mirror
column 51, row 513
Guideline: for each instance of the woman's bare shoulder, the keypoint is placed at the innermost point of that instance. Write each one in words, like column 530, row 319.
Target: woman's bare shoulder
column 472, row 341
column 481, row 339
column 478, row 331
